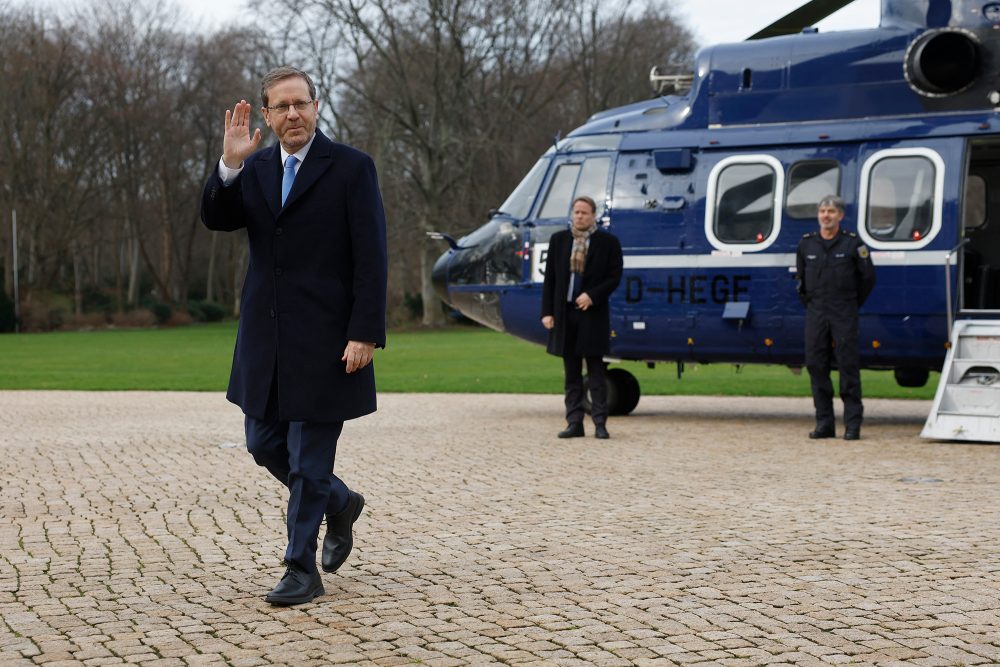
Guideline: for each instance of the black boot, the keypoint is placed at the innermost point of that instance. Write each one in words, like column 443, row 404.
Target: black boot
column 296, row 587
column 339, row 539
column 601, row 432
column 572, row 430
column 822, row 432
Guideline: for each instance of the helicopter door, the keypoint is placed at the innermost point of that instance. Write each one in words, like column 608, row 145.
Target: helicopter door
column 981, row 253
column 650, row 203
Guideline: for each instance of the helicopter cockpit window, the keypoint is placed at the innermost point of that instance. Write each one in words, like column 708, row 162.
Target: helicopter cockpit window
column 489, row 256
column 518, row 204
column 744, row 204
column 900, row 199
column 808, row 182
column 593, row 181
column 573, row 180
column 560, row 192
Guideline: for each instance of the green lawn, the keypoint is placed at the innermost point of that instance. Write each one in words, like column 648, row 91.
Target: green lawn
column 197, row 358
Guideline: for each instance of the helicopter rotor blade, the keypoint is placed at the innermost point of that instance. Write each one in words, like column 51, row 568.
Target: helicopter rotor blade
column 808, row 14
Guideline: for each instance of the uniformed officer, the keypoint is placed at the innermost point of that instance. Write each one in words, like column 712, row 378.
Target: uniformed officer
column 835, row 276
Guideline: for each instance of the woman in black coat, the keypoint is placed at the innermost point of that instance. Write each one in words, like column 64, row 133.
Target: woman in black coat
column 582, row 269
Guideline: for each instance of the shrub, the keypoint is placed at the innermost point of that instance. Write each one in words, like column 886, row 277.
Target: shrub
column 214, row 312
column 179, row 319
column 97, row 300
column 206, row 311
column 162, row 312
column 86, row 321
column 139, row 318
column 414, row 304
column 45, row 311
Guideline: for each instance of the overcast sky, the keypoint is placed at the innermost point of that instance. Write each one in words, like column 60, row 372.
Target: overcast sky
column 711, row 21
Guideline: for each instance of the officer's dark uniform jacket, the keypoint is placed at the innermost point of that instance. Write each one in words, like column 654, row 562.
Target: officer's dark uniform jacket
column 834, row 279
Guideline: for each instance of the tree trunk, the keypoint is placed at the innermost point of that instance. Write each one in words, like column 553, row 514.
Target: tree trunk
column 32, row 258
column 8, row 257
column 77, row 280
column 133, row 272
column 166, row 265
column 238, row 276
column 119, row 273
column 95, row 269
column 433, row 315
column 210, row 281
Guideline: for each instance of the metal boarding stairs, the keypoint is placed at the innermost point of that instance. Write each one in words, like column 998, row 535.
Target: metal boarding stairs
column 967, row 402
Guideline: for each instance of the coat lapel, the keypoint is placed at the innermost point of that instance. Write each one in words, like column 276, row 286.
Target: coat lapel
column 269, row 178
column 317, row 161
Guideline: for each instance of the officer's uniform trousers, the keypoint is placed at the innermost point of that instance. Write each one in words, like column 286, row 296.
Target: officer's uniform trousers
column 834, row 334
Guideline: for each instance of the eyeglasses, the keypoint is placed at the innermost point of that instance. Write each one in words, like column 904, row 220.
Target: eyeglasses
column 282, row 109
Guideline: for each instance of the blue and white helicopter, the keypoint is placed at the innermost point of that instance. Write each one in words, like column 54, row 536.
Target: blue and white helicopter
column 710, row 188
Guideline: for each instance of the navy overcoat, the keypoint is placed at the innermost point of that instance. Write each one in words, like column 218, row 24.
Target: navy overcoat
column 317, row 278
column 601, row 274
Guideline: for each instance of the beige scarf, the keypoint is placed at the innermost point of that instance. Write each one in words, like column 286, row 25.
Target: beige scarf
column 578, row 258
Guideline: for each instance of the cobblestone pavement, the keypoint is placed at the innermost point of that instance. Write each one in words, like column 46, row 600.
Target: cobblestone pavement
column 135, row 528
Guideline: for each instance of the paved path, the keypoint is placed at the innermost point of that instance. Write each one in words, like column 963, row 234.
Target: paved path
column 134, row 528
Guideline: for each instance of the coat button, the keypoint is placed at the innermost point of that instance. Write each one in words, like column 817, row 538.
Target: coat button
column 279, row 231
column 272, row 312
column 277, row 272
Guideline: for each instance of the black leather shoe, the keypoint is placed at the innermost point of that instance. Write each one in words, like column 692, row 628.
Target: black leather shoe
column 820, row 433
column 852, row 435
column 339, row 539
column 572, row 430
column 601, row 432
column 296, row 587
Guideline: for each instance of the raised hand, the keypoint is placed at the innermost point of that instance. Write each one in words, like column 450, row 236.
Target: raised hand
column 237, row 143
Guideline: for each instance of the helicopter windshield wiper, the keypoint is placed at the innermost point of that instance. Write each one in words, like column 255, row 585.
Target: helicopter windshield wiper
column 452, row 243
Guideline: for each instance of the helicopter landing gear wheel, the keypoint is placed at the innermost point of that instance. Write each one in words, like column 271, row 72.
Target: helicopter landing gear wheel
column 911, row 377
column 623, row 393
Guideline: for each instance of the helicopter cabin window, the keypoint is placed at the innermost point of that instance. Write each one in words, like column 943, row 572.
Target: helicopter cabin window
column 743, row 195
column 901, row 198
column 574, row 180
column 808, row 182
column 975, row 202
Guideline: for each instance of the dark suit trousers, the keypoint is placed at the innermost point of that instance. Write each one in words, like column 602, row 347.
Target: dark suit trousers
column 573, row 367
column 300, row 455
column 827, row 337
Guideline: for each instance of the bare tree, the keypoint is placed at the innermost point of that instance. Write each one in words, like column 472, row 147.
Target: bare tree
column 110, row 123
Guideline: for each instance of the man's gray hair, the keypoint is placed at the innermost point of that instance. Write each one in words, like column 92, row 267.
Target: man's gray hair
column 280, row 74
column 832, row 201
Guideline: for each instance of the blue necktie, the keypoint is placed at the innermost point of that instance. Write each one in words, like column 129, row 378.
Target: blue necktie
column 288, row 178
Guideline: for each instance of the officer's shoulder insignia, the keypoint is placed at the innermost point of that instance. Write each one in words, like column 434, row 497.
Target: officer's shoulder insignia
column 808, row 235
column 863, row 251
column 852, row 234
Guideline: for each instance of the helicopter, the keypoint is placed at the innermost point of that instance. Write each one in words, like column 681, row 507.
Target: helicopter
column 710, row 184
